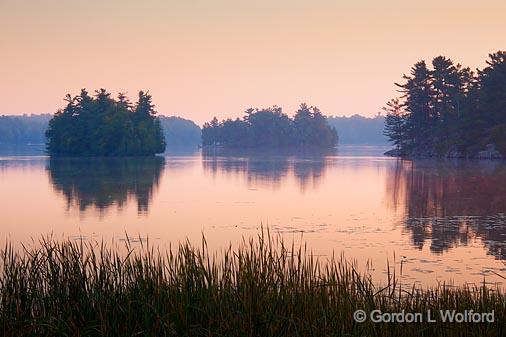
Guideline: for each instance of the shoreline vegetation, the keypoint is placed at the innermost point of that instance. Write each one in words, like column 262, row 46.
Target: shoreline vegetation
column 180, row 132
column 271, row 128
column 450, row 111
column 261, row 288
column 30, row 129
column 102, row 126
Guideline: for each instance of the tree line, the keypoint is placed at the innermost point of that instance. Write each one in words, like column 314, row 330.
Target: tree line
column 30, row 129
column 102, row 126
column 180, row 132
column 25, row 129
column 448, row 109
column 270, row 127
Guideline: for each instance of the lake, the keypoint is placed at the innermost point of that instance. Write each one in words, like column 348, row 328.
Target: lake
column 443, row 220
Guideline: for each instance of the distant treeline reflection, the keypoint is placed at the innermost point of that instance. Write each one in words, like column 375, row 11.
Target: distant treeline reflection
column 103, row 182
column 448, row 203
column 265, row 167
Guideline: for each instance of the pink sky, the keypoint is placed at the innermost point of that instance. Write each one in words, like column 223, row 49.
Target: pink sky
column 201, row 59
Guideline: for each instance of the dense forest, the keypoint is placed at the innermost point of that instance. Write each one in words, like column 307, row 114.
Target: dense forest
column 102, row 126
column 270, row 127
column 448, row 110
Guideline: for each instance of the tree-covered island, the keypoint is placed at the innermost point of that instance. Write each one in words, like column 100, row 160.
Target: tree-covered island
column 447, row 110
column 99, row 125
column 270, row 127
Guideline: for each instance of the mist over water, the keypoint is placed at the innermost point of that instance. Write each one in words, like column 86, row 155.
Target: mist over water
column 443, row 220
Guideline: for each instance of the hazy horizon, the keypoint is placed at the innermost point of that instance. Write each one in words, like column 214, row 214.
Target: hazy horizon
column 204, row 59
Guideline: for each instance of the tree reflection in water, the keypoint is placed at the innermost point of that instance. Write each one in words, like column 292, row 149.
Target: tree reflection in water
column 103, row 182
column 450, row 203
column 269, row 168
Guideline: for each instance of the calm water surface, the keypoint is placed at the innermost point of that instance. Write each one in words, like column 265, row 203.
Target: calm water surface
column 444, row 220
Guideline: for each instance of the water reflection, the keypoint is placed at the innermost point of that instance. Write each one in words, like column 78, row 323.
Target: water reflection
column 269, row 168
column 450, row 203
column 448, row 219
column 101, row 183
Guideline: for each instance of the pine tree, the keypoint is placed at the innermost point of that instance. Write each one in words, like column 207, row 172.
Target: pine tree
column 446, row 94
column 450, row 108
column 395, row 124
column 417, row 95
column 492, row 81
column 102, row 126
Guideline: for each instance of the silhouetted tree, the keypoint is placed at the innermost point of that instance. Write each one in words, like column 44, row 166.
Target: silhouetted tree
column 395, row 122
column 311, row 128
column 417, row 95
column 448, row 107
column 270, row 127
column 492, row 84
column 103, row 126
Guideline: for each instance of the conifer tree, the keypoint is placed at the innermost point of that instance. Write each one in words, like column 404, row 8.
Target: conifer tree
column 103, row 126
column 395, row 124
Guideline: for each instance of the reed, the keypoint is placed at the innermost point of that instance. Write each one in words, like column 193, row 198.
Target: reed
column 261, row 288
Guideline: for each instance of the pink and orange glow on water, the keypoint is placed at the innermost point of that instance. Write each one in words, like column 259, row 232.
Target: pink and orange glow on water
column 444, row 221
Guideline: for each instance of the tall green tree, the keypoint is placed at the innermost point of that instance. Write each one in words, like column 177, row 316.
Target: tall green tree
column 103, row 126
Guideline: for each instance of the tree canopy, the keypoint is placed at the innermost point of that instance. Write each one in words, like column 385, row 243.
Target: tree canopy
column 449, row 110
column 270, row 127
column 102, row 126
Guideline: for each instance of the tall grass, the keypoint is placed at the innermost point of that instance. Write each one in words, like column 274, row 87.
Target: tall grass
column 262, row 288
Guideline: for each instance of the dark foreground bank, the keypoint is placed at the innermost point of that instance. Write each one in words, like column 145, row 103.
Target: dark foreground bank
column 262, row 288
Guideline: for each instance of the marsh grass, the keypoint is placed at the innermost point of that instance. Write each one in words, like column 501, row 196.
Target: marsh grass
column 261, row 288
